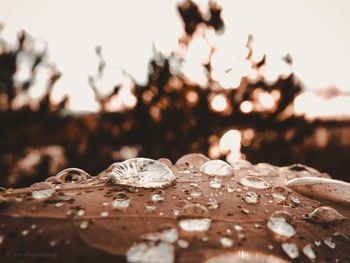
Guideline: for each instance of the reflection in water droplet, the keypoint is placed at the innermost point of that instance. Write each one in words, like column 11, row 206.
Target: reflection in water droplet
column 244, row 256
column 216, row 168
column 73, row 175
column 280, row 194
column 196, row 192
column 194, row 211
column 291, row 250
column 192, row 160
column 226, row 242
column 215, row 183
column 146, row 252
column 309, row 252
column 40, row 194
column 325, row 215
column 279, row 224
column 142, row 172
column 195, row 225
column 251, row 197
column 254, row 182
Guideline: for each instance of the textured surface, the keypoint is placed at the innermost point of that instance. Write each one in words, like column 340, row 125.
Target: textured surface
column 69, row 226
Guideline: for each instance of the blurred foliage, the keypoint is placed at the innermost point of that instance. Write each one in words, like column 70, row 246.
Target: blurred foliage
column 171, row 116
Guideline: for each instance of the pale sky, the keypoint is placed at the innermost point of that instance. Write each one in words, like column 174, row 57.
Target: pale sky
column 315, row 32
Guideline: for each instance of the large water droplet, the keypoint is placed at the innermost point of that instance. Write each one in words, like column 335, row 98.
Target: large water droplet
column 142, row 172
column 226, row 242
column 309, row 252
column 280, row 194
column 40, row 194
column 254, row 182
column 192, row 160
column 322, row 188
column 279, row 224
column 195, row 225
column 251, row 197
column 73, row 175
column 155, row 252
column 244, row 256
column 325, row 215
column 215, row 183
column 291, row 250
column 216, row 168
column 121, row 201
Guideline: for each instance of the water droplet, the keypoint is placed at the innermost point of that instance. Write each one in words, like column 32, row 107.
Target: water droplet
column 322, row 188
column 251, row 197
column 317, row 243
column 73, row 175
column 309, row 252
column 291, row 250
column 25, row 232
column 280, row 194
column 325, row 215
column 245, row 256
column 104, row 214
column 195, row 225
column 81, row 212
column 196, row 192
column 158, row 196
column 40, row 194
column 121, row 201
column 84, row 224
column 146, row 252
column 192, row 160
column 215, row 183
column 295, row 200
column 226, row 242
column 216, row 168
column 245, row 210
column 194, row 211
column 142, row 172
column 183, row 243
column 329, row 242
column 279, row 224
column 168, row 235
column 254, row 182
column 213, row 204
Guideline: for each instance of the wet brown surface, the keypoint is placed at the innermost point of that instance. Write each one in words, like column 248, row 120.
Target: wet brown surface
column 56, row 233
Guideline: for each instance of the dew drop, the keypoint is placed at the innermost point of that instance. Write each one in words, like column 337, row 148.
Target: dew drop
column 121, row 201
column 146, row 252
column 215, row 183
column 279, row 224
column 213, row 203
column 192, row 160
column 196, row 192
column 245, row 256
column 81, row 212
column 73, row 175
column 158, row 196
column 183, row 243
column 226, row 242
column 291, row 250
column 325, row 215
column 84, row 224
column 194, row 211
column 195, row 225
column 216, row 168
column 142, row 172
column 41, row 194
column 309, row 252
column 254, row 182
column 250, row 197
column 329, row 242
column 104, row 214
